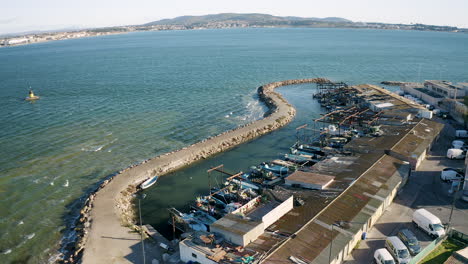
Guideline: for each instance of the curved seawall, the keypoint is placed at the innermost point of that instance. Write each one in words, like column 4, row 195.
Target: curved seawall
column 106, row 221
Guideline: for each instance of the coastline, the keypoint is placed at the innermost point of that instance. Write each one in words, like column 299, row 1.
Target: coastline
column 107, row 218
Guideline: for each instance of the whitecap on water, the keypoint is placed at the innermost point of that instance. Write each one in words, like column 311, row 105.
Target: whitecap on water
column 20, row 222
column 6, row 252
column 51, row 183
column 30, row 236
column 66, row 184
column 97, row 147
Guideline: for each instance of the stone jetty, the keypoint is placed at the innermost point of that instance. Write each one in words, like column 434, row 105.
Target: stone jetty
column 106, row 222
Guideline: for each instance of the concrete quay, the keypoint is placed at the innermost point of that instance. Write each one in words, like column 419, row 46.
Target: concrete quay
column 106, row 225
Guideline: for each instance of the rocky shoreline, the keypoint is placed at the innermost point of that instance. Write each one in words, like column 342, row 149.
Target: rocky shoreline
column 110, row 210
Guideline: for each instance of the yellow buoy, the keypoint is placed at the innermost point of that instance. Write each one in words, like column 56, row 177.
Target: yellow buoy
column 31, row 96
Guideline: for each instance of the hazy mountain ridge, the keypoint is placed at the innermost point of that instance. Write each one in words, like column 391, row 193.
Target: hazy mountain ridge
column 241, row 18
column 216, row 21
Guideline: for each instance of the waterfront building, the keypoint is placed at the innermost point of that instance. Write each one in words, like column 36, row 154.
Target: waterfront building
column 445, row 89
column 434, row 91
column 236, row 229
column 333, row 218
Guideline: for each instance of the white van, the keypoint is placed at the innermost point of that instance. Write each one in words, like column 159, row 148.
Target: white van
column 455, row 153
column 382, row 256
column 398, row 250
column 428, row 222
column 450, row 174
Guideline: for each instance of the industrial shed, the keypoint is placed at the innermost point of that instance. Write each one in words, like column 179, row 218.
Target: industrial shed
column 309, row 180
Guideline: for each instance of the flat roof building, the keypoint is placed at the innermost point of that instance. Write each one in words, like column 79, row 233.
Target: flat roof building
column 445, row 88
column 248, row 222
column 309, row 180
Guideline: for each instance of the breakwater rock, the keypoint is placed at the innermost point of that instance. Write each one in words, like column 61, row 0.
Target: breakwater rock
column 107, row 219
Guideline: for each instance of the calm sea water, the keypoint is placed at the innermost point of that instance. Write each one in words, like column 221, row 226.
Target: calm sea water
column 109, row 102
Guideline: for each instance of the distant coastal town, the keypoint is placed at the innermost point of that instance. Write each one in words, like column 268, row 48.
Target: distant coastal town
column 218, row 21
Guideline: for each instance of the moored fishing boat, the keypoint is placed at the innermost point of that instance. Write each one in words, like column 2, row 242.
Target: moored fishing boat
column 300, row 158
column 149, row 182
column 183, row 220
column 203, row 217
column 280, row 170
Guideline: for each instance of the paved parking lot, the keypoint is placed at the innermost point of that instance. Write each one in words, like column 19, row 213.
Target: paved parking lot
column 423, row 190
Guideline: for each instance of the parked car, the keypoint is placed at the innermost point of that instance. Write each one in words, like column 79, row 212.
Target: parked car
column 410, row 241
column 450, row 174
column 458, row 144
column 398, row 250
column 461, row 133
column 382, row 256
column 455, row 153
column 428, row 222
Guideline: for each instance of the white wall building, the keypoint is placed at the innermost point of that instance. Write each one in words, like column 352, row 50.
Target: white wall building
column 15, row 41
column 249, row 222
column 444, row 88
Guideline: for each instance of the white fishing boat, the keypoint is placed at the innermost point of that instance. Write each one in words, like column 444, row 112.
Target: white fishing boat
column 149, row 182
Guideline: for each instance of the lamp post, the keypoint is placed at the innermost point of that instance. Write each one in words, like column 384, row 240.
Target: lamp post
column 455, row 192
column 340, row 224
column 140, row 197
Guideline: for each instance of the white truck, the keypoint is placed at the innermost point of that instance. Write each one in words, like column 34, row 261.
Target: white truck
column 428, row 222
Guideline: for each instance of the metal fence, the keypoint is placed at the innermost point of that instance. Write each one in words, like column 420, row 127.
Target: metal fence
column 453, row 234
column 459, row 236
column 427, row 250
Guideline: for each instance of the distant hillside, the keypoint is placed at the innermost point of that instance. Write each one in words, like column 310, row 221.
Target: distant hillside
column 242, row 18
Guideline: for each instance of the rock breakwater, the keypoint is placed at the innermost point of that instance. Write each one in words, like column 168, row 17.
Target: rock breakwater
column 108, row 212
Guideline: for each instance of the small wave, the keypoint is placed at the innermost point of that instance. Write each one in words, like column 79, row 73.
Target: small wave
column 55, row 257
column 92, row 148
column 66, row 184
column 6, row 252
column 51, row 183
column 21, row 222
column 97, row 147
column 30, row 236
column 228, row 115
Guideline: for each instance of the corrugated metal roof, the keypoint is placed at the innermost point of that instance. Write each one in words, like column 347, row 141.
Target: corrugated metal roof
column 315, row 236
column 310, row 177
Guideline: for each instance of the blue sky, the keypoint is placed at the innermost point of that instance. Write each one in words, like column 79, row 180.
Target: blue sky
column 25, row 15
